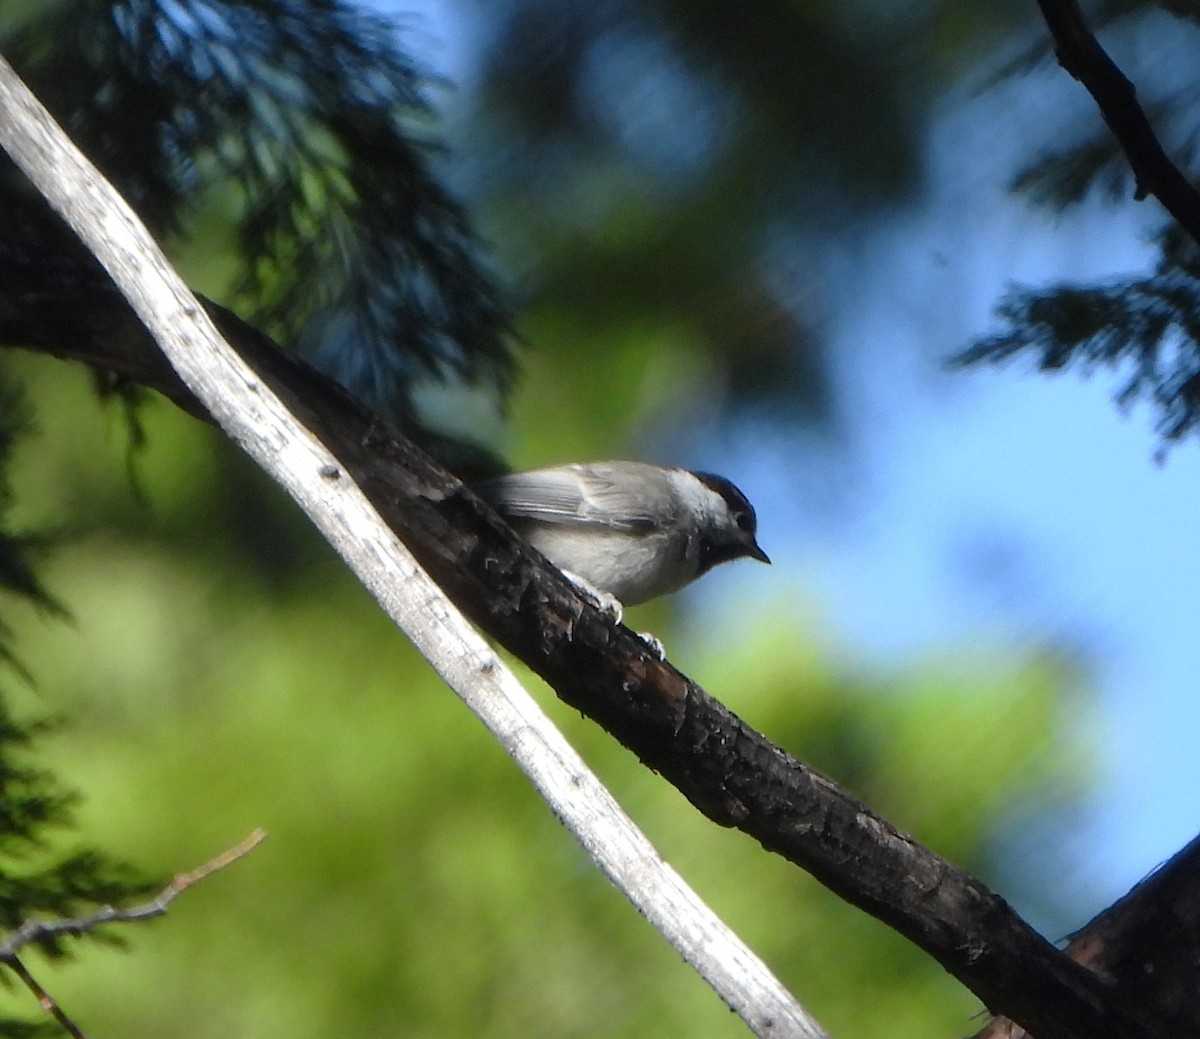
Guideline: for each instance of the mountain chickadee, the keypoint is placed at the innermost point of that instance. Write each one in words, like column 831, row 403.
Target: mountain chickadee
column 627, row 530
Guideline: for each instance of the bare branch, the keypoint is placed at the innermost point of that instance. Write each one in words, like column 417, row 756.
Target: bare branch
column 250, row 412
column 35, row 930
column 730, row 772
column 1080, row 54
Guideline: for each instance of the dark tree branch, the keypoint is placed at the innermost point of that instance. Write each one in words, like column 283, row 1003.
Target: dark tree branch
column 1081, row 55
column 1148, row 943
column 726, row 769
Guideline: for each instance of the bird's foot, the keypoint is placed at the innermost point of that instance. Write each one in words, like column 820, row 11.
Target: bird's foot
column 607, row 604
column 657, row 649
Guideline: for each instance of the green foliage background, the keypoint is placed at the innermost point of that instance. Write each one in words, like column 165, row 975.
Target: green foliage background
column 221, row 672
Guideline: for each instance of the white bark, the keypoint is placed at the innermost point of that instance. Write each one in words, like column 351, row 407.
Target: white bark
column 253, row 416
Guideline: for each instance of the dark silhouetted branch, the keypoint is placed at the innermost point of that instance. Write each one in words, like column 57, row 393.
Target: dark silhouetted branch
column 1081, row 55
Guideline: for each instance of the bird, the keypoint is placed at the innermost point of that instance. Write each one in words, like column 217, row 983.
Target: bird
column 630, row 531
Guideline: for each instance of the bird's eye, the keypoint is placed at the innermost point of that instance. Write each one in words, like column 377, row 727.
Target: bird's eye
column 745, row 522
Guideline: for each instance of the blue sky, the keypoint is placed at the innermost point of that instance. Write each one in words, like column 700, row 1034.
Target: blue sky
column 1082, row 534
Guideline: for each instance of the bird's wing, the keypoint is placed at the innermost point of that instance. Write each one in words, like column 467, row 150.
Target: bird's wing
column 575, row 494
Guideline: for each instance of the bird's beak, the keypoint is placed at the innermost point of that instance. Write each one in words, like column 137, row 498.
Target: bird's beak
column 754, row 552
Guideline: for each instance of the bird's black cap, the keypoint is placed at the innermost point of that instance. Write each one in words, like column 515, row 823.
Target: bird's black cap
column 743, row 516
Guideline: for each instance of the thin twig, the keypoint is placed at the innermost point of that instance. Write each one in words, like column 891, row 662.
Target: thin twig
column 47, row 1002
column 34, row 930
